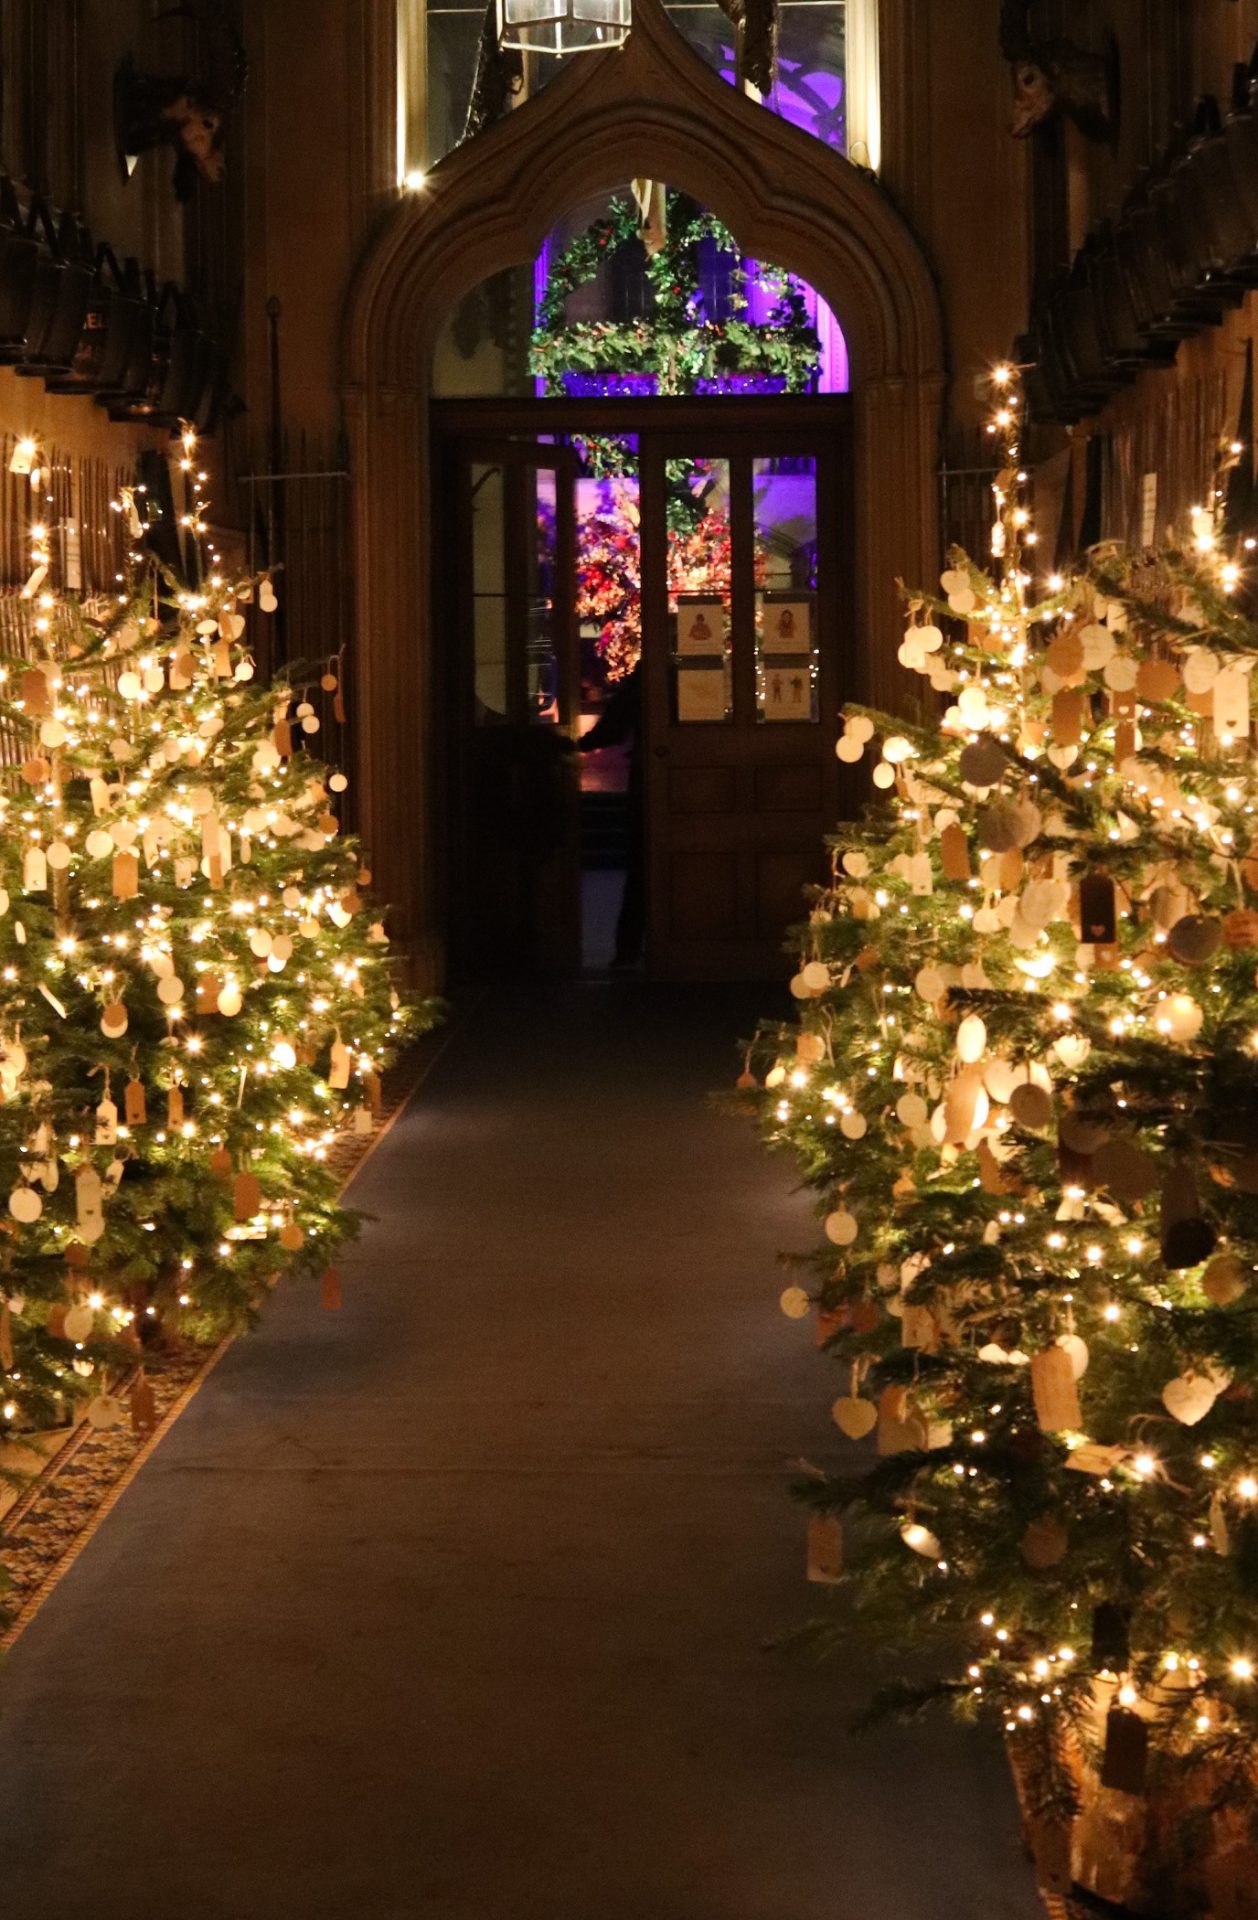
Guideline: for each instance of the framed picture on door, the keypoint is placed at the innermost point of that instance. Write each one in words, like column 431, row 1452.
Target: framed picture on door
column 701, row 625
column 786, row 624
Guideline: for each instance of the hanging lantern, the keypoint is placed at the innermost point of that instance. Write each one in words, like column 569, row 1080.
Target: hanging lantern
column 563, row 26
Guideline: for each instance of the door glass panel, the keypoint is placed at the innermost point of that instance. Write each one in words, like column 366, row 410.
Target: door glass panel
column 541, row 659
column 787, row 660
column 489, row 599
column 700, row 574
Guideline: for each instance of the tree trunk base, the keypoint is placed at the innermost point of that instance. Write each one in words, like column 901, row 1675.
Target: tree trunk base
column 1115, row 1860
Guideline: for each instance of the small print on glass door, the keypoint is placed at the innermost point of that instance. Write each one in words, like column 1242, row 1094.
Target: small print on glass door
column 787, row 693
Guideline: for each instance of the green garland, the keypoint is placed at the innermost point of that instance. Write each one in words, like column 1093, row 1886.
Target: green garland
column 680, row 349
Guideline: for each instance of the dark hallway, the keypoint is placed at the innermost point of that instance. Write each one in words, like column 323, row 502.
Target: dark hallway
column 454, row 1603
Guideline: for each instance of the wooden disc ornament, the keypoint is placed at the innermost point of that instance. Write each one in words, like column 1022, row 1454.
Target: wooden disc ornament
column 79, row 1322
column 971, row 1041
column 1044, row 1542
column 1064, row 656
column 292, row 1239
column 999, row 827
column 1225, row 1279
column 1194, row 939
column 794, row 1303
column 1179, row 1016
column 113, row 1019
column 106, row 1411
column 1157, row 680
column 25, row 1205
column 1031, row 1106
column 841, row 1227
column 1240, row 929
column 982, row 763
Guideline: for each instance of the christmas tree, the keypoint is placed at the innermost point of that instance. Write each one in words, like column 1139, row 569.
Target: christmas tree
column 194, row 996
column 1024, row 1088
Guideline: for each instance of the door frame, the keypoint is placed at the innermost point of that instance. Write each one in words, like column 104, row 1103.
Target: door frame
column 652, row 107
column 753, row 425
column 453, row 602
column 671, row 744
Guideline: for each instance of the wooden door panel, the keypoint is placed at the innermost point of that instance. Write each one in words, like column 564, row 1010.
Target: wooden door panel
column 509, row 611
column 702, row 790
column 703, row 896
column 739, row 806
column 789, row 789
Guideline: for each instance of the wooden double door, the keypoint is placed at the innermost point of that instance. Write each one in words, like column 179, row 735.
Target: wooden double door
column 738, row 518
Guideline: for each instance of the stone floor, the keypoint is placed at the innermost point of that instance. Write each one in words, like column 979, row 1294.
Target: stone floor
column 455, row 1603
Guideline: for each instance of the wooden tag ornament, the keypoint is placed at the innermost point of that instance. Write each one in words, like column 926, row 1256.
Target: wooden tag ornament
column 1111, row 1642
column 246, row 1196
column 1098, row 910
column 954, row 853
column 126, row 875
column 143, row 1406
column 1044, row 1542
column 1125, row 1763
column 1187, row 1237
column 825, row 1549
column 1054, row 1391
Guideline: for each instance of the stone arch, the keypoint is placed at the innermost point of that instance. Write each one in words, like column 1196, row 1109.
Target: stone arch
column 653, row 107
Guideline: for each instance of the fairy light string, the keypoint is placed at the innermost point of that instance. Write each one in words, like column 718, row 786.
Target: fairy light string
column 196, row 996
column 1036, row 1162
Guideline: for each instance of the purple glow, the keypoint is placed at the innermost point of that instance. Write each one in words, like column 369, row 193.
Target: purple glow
column 541, row 273
column 600, row 386
column 811, row 100
column 833, row 373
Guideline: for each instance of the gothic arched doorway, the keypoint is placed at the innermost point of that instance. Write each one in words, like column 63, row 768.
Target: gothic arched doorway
column 654, row 108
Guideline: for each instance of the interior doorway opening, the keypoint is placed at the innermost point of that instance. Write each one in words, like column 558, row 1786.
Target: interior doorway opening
column 644, row 506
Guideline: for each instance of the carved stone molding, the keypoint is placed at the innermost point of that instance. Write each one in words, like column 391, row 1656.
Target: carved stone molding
column 653, row 108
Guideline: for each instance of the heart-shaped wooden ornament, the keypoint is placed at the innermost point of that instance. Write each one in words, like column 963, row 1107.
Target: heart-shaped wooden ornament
column 1189, row 1398
column 853, row 1416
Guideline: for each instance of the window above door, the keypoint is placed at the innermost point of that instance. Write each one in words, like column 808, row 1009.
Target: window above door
column 826, row 80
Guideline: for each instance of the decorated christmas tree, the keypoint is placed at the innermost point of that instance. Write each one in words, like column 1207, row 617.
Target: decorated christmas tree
column 1024, row 1088
column 194, row 996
